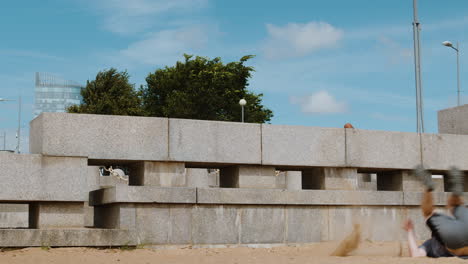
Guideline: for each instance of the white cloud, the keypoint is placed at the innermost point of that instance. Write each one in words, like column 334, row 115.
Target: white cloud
column 296, row 40
column 167, row 46
column 318, row 103
column 126, row 17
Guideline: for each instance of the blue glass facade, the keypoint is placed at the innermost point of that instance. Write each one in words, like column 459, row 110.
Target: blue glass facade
column 53, row 94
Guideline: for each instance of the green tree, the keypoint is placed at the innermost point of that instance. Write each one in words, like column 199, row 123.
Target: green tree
column 206, row 89
column 109, row 94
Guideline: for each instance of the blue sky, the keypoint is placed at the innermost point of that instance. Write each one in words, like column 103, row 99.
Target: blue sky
column 318, row 63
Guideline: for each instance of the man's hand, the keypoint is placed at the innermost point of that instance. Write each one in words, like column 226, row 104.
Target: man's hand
column 408, row 225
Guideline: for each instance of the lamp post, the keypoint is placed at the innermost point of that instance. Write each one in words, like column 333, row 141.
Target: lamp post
column 242, row 103
column 450, row 45
column 4, row 140
column 18, row 132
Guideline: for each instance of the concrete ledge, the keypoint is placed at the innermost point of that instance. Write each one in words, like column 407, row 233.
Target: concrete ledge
column 304, row 197
column 100, row 136
column 201, row 141
column 312, row 146
column 32, row 177
column 142, row 194
column 14, row 215
column 65, row 237
column 381, row 149
column 441, row 151
column 453, row 120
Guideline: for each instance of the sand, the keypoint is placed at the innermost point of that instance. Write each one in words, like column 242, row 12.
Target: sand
column 366, row 253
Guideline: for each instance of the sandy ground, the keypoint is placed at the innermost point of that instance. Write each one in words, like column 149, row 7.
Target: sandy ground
column 366, row 253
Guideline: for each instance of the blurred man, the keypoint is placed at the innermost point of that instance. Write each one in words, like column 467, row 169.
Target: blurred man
column 449, row 233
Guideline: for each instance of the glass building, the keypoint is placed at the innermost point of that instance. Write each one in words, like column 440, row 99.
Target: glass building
column 53, row 94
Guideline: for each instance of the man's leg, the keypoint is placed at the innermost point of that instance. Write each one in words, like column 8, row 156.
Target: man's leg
column 456, row 186
column 427, row 203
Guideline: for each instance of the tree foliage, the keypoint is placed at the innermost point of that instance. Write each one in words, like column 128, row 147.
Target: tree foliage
column 200, row 88
column 109, row 94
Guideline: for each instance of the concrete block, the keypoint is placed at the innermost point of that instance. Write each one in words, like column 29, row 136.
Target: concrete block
column 294, row 180
column 92, row 179
column 312, row 146
column 32, row 177
column 367, row 181
column 240, row 196
column 254, row 228
column 377, row 223
column 199, row 178
column 343, row 197
column 88, row 214
column 58, row 215
column 330, row 179
column 197, row 141
column 161, row 224
column 453, row 120
column 305, row 197
column 115, row 216
column 381, row 149
column 248, row 177
column 66, row 237
column 441, row 151
column 14, row 215
column 280, row 180
column 304, row 224
column 164, row 174
column 100, row 136
column 142, row 194
column 215, row 225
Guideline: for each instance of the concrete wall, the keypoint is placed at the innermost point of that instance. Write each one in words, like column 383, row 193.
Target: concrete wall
column 206, row 144
column 32, row 177
column 453, row 120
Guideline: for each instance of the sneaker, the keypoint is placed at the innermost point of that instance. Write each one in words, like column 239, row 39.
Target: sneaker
column 424, row 176
column 456, row 180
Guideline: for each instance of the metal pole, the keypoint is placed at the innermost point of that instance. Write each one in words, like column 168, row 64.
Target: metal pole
column 4, row 140
column 19, row 126
column 417, row 70
column 242, row 114
column 458, row 74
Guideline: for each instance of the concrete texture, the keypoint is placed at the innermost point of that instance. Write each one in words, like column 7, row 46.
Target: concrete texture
column 378, row 224
column 199, row 178
column 142, row 194
column 381, row 149
column 115, row 216
column 305, row 197
column 58, row 215
column 441, row 151
column 153, row 173
column 100, row 136
column 162, row 224
column 14, row 215
column 293, row 180
column 312, row 146
column 305, row 224
column 254, row 232
column 453, row 120
column 65, row 237
column 258, row 177
column 200, row 141
column 32, row 177
column 330, row 179
column 367, row 182
column 209, row 222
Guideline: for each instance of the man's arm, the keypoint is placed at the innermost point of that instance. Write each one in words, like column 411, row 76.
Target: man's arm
column 415, row 251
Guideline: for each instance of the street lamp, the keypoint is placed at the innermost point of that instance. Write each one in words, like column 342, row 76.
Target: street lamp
column 4, row 140
column 18, row 132
column 242, row 103
column 450, row 45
